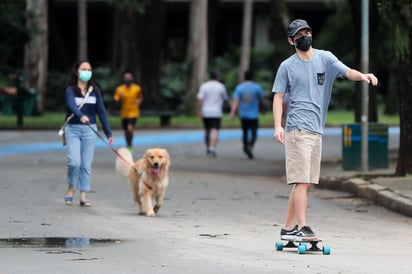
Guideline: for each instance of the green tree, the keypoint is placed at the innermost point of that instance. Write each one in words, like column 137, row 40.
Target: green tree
column 197, row 52
column 36, row 50
column 124, row 55
column 398, row 15
column 12, row 26
column 150, row 26
column 345, row 22
column 246, row 37
column 138, row 34
column 279, row 19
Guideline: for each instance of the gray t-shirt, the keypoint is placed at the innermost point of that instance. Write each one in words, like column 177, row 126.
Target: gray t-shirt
column 309, row 87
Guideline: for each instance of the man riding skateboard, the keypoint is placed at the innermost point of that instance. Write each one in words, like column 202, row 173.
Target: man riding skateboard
column 307, row 78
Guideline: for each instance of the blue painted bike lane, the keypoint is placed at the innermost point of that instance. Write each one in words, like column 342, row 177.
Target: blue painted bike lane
column 152, row 139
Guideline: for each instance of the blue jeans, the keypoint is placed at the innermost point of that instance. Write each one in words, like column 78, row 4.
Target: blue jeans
column 81, row 141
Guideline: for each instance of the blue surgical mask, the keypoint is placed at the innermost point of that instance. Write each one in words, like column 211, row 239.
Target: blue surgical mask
column 85, row 75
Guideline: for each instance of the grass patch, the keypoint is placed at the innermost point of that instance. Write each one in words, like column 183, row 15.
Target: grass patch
column 339, row 117
column 55, row 120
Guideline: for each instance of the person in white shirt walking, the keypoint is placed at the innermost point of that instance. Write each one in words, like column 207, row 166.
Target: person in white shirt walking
column 211, row 98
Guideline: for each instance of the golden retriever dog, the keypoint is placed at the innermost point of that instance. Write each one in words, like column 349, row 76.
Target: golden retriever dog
column 148, row 177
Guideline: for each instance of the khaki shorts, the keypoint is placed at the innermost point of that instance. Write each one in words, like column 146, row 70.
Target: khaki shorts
column 303, row 156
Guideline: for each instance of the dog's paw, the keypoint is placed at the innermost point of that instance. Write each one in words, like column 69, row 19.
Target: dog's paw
column 156, row 208
column 150, row 214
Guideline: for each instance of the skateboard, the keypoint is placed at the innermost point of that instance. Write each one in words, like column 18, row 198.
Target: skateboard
column 302, row 245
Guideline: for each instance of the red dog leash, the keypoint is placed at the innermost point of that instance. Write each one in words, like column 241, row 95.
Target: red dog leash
column 111, row 147
column 118, row 154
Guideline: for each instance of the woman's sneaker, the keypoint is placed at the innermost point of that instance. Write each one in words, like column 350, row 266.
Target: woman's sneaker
column 304, row 233
column 289, row 234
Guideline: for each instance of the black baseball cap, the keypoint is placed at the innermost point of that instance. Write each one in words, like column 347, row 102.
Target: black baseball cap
column 296, row 25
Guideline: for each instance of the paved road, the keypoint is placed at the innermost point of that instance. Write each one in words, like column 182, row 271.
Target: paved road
column 221, row 215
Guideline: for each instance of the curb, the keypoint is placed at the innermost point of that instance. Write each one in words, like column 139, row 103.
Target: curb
column 377, row 193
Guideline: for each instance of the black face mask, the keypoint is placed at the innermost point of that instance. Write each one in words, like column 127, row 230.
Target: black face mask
column 128, row 82
column 303, row 43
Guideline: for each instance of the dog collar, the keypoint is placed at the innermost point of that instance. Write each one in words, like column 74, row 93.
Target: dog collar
column 148, row 186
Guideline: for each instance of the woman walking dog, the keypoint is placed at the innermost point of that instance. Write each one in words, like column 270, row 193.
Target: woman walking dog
column 84, row 100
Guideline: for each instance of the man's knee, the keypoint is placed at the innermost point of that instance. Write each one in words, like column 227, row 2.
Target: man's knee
column 302, row 185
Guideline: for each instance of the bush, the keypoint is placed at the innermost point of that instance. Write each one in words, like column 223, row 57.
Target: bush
column 174, row 75
column 173, row 84
column 55, row 93
column 261, row 64
column 343, row 95
column 107, row 80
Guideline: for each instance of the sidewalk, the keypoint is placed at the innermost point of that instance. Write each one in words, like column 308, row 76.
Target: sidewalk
column 379, row 186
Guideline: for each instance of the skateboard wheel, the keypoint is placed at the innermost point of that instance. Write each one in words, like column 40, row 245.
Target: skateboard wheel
column 301, row 249
column 326, row 250
column 279, row 246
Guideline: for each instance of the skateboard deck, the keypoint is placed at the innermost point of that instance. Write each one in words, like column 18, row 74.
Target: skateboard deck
column 302, row 245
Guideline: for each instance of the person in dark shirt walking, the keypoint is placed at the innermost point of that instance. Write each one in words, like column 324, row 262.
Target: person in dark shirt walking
column 84, row 100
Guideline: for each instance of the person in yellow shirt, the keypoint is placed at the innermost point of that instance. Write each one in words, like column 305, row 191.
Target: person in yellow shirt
column 130, row 96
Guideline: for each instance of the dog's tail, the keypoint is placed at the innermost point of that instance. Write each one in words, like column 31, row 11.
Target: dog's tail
column 123, row 164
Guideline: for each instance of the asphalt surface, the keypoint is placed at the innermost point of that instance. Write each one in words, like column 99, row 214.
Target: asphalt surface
column 221, row 215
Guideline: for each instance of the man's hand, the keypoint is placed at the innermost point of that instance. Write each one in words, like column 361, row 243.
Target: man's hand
column 279, row 135
column 354, row 75
column 370, row 78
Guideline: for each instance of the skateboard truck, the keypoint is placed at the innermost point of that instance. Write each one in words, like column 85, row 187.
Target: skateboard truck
column 302, row 246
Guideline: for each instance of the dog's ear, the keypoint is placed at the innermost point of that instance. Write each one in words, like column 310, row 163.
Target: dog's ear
column 146, row 154
column 146, row 158
column 166, row 155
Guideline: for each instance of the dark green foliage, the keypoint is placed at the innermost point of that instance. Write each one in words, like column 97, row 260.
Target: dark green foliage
column 338, row 36
column 261, row 64
column 55, row 95
column 173, row 84
column 14, row 35
column 398, row 14
column 137, row 5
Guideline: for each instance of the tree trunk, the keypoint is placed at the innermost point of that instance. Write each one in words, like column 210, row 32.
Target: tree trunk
column 82, row 29
column 150, row 33
column 401, row 52
column 404, row 163
column 197, row 52
column 246, row 37
column 212, row 18
column 115, row 50
column 36, row 50
column 125, row 55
